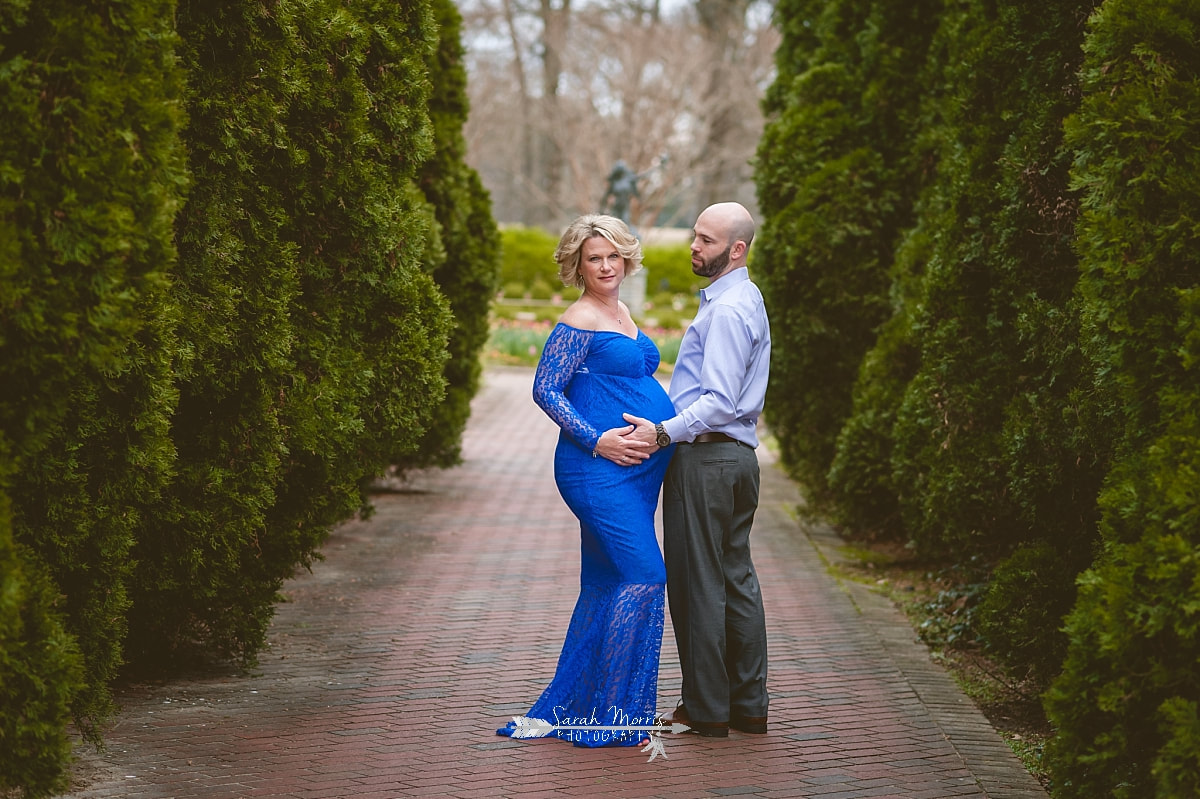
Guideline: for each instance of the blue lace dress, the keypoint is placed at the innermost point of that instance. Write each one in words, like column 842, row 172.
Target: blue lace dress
column 607, row 674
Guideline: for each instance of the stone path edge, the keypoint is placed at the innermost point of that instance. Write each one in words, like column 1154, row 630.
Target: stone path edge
column 983, row 751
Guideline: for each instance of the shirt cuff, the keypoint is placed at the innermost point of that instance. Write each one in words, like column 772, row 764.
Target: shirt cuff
column 677, row 429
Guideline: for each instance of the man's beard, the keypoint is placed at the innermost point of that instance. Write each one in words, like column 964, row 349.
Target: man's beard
column 714, row 267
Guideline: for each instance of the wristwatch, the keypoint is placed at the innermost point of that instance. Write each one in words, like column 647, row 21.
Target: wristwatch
column 664, row 440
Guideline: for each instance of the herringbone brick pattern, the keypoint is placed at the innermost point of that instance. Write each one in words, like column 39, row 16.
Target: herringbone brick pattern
column 440, row 617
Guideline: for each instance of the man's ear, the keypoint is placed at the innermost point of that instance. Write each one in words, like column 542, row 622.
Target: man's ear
column 738, row 250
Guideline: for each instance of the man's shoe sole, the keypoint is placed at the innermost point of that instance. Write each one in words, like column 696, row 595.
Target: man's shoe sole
column 750, row 724
column 714, row 731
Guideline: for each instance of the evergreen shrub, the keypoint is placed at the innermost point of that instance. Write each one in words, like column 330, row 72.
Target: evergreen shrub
column 1133, row 666
column 235, row 283
column 1020, row 617
column 320, row 334
column 91, row 176
column 1001, row 256
column 1125, row 703
column 527, row 255
column 468, row 274
column 836, row 188
column 669, row 269
column 370, row 322
column 40, row 672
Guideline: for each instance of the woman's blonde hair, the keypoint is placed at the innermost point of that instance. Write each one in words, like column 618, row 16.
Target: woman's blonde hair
column 570, row 247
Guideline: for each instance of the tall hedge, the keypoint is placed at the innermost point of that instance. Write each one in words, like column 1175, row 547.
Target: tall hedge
column 835, row 186
column 372, row 326
column 91, row 174
column 992, row 455
column 316, row 337
column 1001, row 261
column 468, row 274
column 40, row 669
column 235, row 282
column 178, row 435
column 963, row 433
column 1127, row 705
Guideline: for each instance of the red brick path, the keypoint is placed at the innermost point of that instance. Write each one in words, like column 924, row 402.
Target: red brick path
column 433, row 622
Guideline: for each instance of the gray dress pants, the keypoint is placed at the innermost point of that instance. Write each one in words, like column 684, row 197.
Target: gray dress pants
column 709, row 498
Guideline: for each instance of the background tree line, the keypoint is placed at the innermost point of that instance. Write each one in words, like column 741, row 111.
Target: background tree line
column 982, row 259
column 244, row 270
column 562, row 89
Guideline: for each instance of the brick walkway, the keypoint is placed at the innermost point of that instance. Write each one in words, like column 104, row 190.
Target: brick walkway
column 439, row 618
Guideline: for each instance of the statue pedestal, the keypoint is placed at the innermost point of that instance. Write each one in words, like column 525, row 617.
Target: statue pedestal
column 633, row 292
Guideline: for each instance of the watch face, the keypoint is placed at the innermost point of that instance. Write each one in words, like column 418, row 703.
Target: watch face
column 663, row 439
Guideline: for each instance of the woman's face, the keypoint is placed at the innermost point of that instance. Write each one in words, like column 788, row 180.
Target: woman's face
column 601, row 266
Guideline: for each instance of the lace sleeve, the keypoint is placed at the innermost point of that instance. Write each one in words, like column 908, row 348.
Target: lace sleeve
column 565, row 350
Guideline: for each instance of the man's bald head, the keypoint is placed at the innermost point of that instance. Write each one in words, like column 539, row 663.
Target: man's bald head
column 734, row 220
column 730, row 227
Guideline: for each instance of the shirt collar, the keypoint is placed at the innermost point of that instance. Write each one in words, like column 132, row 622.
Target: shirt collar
column 724, row 283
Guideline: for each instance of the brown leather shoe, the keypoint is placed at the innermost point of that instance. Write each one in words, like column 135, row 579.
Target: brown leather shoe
column 756, row 725
column 706, row 729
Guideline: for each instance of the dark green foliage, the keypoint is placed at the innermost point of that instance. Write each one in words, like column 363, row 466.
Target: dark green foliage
column 1132, row 673
column 179, row 436
column 1020, row 617
column 91, row 174
column 40, row 670
column 236, row 282
column 316, row 336
column 1001, row 263
column 669, row 268
column 864, row 493
column 1041, row 340
column 1126, row 702
column 527, row 255
column 371, row 324
column 467, row 275
column 972, row 428
column 836, row 186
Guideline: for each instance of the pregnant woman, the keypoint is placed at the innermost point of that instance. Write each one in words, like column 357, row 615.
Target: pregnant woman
column 595, row 365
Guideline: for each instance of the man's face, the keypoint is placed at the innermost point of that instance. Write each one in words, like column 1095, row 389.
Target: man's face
column 710, row 252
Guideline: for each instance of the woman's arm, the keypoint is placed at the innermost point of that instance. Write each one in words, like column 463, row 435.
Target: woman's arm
column 565, row 351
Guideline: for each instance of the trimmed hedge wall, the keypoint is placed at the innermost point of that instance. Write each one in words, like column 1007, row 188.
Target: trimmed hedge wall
column 91, row 174
column 196, row 391
column 1030, row 395
column 993, row 329
column 41, row 670
column 468, row 274
column 1127, row 704
column 955, row 421
column 317, row 337
column 835, row 186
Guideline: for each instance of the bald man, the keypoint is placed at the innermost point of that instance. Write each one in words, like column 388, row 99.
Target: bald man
column 710, row 493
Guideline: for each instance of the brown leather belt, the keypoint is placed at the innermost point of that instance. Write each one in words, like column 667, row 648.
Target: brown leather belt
column 711, row 438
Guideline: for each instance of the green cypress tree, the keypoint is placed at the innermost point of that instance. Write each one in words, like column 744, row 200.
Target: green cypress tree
column 977, row 372
column 863, row 492
column 40, row 668
column 467, row 276
column 319, row 338
column 1127, row 702
column 836, row 187
column 999, row 267
column 235, row 282
column 90, row 178
column 372, row 326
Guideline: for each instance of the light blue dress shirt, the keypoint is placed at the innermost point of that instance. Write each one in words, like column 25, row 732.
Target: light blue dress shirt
column 720, row 377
